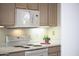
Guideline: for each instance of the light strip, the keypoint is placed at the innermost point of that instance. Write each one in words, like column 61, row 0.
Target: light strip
column 1, row 26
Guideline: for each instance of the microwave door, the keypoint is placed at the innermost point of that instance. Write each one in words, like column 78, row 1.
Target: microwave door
column 27, row 18
column 23, row 18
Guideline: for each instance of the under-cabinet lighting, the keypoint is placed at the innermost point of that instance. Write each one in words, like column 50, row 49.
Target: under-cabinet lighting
column 44, row 26
column 1, row 26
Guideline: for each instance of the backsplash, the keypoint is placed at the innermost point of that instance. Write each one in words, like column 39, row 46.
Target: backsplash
column 34, row 35
column 2, row 36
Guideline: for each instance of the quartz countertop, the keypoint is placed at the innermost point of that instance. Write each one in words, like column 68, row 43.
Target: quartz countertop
column 7, row 50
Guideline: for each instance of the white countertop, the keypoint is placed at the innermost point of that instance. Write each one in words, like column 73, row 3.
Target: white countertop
column 7, row 50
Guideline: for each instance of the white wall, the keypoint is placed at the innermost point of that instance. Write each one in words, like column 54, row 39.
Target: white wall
column 70, row 29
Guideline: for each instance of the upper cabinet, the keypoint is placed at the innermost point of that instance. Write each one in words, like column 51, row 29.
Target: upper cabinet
column 52, row 14
column 43, row 8
column 29, row 6
column 48, row 14
column 7, row 14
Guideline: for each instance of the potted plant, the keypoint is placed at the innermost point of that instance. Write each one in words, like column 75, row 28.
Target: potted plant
column 46, row 39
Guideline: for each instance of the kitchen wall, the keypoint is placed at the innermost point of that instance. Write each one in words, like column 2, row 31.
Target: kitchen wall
column 2, row 36
column 70, row 29
column 35, row 35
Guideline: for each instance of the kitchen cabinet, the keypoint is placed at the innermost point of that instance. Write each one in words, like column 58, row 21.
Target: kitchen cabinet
column 43, row 8
column 21, row 53
column 7, row 14
column 29, row 6
column 48, row 14
column 54, row 51
column 52, row 14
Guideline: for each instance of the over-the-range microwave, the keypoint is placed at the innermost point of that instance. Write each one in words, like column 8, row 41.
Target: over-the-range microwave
column 26, row 18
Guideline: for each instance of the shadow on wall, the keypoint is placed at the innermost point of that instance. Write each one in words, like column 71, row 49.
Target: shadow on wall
column 2, row 36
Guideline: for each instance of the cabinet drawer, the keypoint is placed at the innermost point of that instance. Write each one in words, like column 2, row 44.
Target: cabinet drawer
column 54, row 49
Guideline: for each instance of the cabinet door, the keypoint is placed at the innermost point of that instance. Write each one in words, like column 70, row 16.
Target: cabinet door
column 21, row 5
column 43, row 8
column 52, row 14
column 7, row 14
column 54, row 51
column 59, row 54
column 32, row 6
